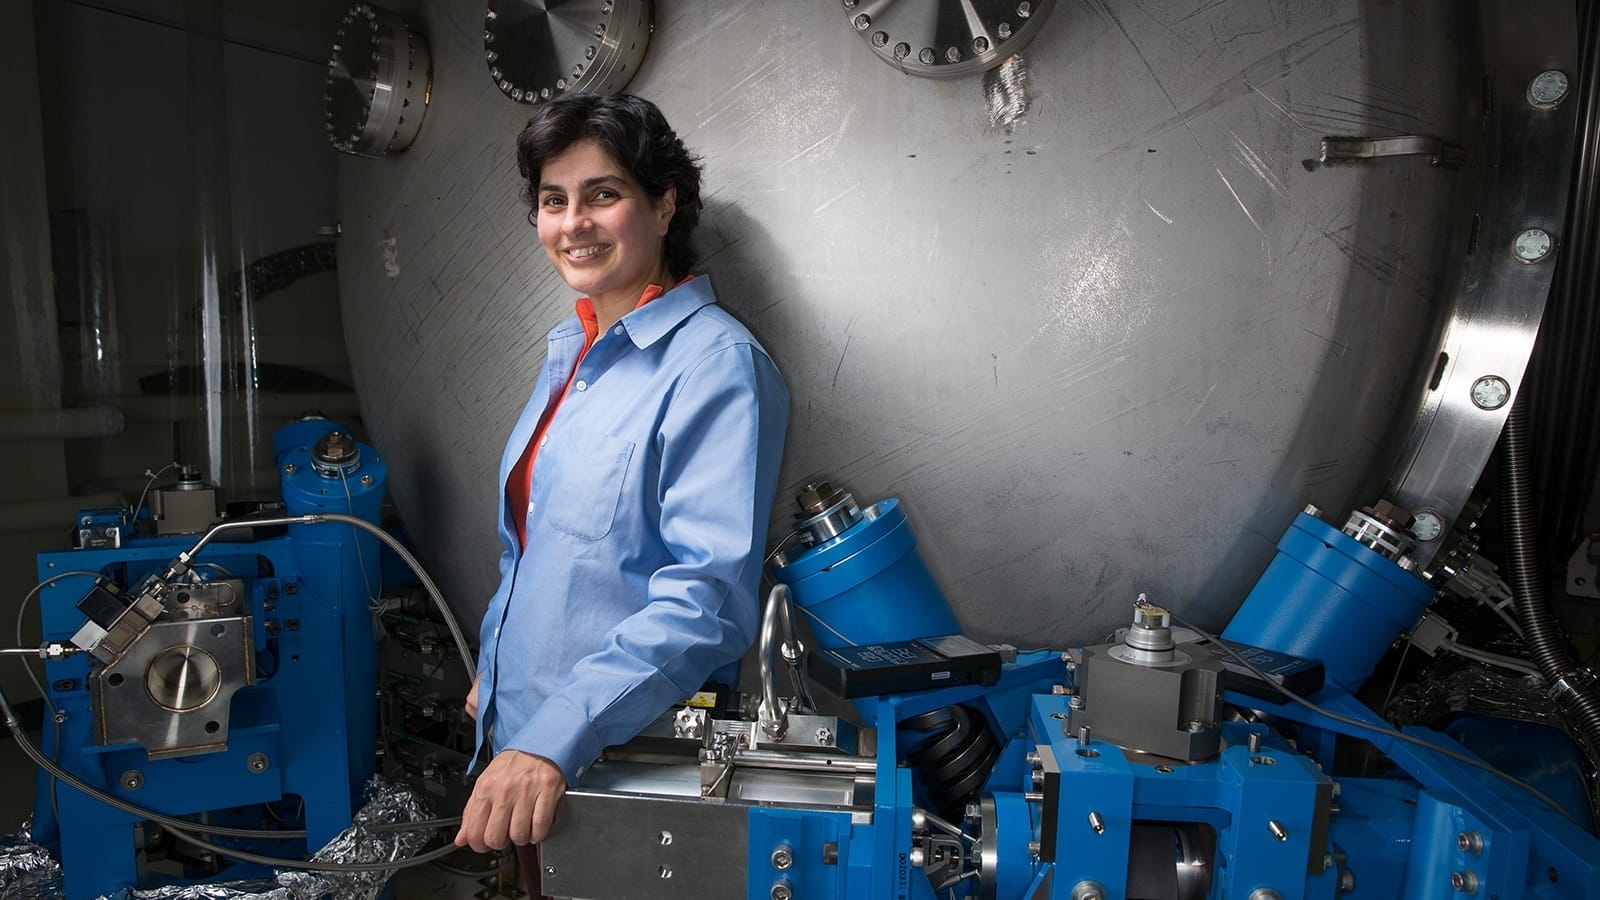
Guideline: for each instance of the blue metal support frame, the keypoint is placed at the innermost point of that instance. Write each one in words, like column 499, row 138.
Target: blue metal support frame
column 311, row 715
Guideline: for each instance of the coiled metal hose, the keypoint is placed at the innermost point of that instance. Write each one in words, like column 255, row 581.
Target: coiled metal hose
column 1571, row 685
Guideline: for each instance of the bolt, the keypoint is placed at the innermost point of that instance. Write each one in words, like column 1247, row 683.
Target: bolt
column 290, row 468
column 1254, row 741
column 665, row 872
column 132, row 780
column 1083, row 736
column 1196, row 726
column 863, row 22
column 1548, row 89
column 782, row 858
column 366, row 481
column 1096, row 822
column 1347, row 881
column 549, row 870
column 1532, row 245
column 879, row 39
column 1033, row 849
column 824, row 737
column 257, row 763
column 1277, row 829
column 1465, row 882
column 1076, row 702
column 1470, row 842
column 1265, row 894
column 1088, row 890
column 782, row 891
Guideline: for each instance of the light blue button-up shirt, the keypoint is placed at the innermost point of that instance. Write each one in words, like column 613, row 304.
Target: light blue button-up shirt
column 646, row 524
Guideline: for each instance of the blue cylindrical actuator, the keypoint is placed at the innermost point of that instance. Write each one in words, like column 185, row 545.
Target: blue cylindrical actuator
column 1328, row 597
column 861, row 581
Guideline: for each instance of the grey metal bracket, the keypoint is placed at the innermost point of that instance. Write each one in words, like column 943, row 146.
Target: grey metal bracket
column 1439, row 152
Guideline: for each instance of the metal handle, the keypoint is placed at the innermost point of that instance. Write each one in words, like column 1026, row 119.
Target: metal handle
column 774, row 718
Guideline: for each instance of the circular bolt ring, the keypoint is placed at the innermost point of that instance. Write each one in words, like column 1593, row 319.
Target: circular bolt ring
column 1465, row 882
column 257, row 763
column 782, row 858
column 132, row 780
column 782, row 891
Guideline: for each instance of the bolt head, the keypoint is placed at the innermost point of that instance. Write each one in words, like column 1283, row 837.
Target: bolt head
column 1490, row 392
column 1548, row 89
column 1532, row 245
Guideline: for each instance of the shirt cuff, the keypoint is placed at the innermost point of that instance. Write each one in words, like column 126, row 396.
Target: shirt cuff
column 561, row 734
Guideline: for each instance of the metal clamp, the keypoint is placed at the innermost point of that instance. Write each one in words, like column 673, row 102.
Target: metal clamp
column 1336, row 149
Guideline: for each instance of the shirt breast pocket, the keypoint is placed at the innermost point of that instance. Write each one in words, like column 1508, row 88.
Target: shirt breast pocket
column 586, row 481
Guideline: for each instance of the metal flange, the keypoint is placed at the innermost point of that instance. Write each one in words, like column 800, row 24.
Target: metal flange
column 540, row 49
column 379, row 81
column 946, row 38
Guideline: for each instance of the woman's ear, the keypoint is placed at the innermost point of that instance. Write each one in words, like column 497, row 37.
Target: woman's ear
column 666, row 206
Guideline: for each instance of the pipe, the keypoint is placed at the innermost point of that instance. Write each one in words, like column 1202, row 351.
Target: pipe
column 1571, row 685
column 59, row 424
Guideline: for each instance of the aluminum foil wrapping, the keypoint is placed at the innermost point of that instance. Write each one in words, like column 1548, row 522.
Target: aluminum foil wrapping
column 27, row 871
column 385, row 804
column 227, row 890
column 1448, row 686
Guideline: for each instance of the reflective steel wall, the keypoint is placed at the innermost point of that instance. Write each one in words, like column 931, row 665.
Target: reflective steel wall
column 1098, row 318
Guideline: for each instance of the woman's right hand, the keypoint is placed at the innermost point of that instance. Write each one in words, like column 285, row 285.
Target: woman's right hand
column 472, row 697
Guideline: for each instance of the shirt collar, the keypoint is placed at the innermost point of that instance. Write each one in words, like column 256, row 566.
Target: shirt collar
column 655, row 316
column 655, row 320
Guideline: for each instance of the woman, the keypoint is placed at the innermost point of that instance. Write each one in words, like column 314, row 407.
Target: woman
column 636, row 487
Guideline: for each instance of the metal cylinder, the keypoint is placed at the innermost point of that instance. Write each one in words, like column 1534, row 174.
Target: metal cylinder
column 1328, row 597
column 868, row 585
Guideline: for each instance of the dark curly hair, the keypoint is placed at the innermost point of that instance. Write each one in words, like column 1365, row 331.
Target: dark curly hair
column 638, row 137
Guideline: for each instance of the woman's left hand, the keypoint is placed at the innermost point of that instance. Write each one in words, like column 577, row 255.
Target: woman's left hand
column 514, row 802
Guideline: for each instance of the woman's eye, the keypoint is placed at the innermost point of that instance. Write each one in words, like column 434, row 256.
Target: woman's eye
column 604, row 195
column 553, row 202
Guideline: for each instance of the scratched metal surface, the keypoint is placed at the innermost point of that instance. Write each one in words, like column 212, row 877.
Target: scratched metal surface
column 1095, row 319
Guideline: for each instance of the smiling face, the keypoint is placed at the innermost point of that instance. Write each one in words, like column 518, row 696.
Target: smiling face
column 601, row 230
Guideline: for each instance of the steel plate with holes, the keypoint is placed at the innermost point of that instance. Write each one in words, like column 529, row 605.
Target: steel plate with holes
column 172, row 690
column 378, row 83
column 946, row 38
column 645, row 848
column 538, row 49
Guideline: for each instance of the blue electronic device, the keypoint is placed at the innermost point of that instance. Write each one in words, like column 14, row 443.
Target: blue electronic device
column 237, row 683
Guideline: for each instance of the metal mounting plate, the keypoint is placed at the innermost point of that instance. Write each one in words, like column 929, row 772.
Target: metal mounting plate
column 539, row 49
column 946, row 38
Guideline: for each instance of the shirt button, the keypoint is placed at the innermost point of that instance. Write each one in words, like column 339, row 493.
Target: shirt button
column 617, row 330
column 530, row 506
column 497, row 632
column 582, row 385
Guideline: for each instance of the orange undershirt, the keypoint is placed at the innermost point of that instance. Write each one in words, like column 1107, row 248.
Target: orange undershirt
column 519, row 484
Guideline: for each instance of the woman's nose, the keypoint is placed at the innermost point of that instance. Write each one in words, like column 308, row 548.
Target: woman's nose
column 577, row 220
